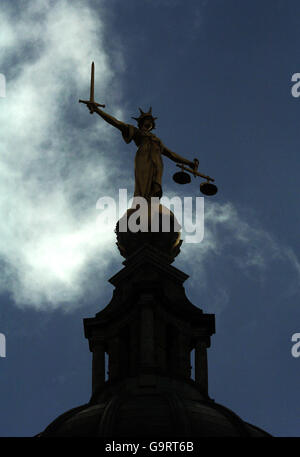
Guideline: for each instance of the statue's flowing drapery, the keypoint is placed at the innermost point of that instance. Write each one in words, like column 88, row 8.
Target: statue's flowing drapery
column 148, row 162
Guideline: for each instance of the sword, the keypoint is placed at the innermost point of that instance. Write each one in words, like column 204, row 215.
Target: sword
column 92, row 100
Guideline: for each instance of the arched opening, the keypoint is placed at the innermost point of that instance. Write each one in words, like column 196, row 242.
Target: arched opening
column 192, row 363
column 106, row 365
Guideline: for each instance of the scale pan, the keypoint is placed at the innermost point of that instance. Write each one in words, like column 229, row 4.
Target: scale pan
column 181, row 177
column 208, row 189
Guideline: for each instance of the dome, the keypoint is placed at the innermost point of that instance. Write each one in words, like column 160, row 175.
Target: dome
column 151, row 414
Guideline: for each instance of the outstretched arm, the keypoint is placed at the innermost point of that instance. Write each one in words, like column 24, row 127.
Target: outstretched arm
column 176, row 157
column 107, row 117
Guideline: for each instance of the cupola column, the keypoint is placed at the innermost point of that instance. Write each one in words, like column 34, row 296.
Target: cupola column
column 201, row 369
column 98, row 372
column 147, row 340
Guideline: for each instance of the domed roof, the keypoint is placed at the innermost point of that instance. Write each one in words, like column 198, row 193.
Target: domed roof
column 151, row 415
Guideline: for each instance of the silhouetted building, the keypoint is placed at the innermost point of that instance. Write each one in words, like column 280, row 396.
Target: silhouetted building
column 148, row 332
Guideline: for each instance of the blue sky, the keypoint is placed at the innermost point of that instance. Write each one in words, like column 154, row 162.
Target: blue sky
column 218, row 76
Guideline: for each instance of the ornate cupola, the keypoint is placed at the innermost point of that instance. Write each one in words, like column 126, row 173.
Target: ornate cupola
column 143, row 344
column 150, row 328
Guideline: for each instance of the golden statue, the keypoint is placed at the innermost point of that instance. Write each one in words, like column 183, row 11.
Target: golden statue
column 148, row 160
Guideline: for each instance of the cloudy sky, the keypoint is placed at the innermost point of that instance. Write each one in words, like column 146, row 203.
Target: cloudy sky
column 218, row 76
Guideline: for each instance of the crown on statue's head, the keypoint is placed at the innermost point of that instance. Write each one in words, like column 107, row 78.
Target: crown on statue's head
column 143, row 115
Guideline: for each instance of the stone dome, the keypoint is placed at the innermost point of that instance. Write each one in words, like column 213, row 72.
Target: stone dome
column 162, row 413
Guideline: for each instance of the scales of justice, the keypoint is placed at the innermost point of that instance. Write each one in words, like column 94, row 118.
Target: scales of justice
column 148, row 176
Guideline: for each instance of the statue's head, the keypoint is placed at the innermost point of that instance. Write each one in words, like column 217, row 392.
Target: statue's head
column 146, row 120
column 147, row 123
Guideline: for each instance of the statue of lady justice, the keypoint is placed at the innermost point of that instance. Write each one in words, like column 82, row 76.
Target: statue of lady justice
column 148, row 160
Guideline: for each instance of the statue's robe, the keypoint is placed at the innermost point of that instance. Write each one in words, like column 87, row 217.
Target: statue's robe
column 148, row 164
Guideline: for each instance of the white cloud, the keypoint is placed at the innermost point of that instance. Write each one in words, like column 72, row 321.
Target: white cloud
column 50, row 174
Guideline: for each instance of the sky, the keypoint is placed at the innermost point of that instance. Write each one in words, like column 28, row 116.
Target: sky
column 217, row 74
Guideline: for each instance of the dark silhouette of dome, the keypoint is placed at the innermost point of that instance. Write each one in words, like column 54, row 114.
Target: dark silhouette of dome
column 152, row 414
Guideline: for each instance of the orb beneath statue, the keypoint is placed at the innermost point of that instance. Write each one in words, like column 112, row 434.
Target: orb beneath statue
column 151, row 225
